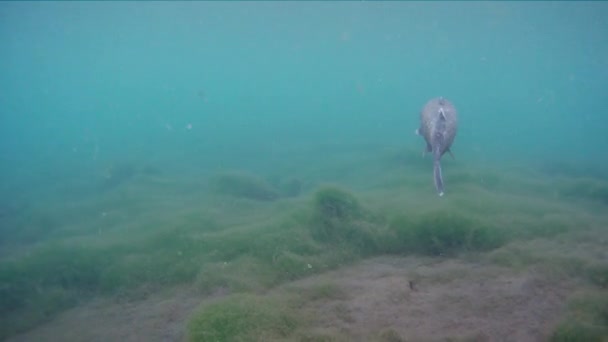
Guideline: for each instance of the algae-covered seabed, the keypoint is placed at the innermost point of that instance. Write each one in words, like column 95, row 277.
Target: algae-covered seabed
column 348, row 244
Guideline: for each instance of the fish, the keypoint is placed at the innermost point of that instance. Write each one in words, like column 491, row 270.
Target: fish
column 438, row 127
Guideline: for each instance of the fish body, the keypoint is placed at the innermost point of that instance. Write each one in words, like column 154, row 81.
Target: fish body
column 438, row 127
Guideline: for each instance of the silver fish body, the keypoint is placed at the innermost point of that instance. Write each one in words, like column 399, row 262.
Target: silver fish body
column 438, row 127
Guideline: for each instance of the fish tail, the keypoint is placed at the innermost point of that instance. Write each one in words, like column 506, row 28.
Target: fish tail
column 437, row 177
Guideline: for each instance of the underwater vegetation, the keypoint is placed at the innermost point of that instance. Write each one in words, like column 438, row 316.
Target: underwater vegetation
column 291, row 187
column 598, row 275
column 590, row 189
column 575, row 181
column 27, row 228
column 338, row 218
column 46, row 282
column 444, row 233
column 248, row 235
column 335, row 212
column 333, row 206
column 587, row 320
column 58, row 276
column 572, row 170
column 246, row 185
column 241, row 317
column 330, row 229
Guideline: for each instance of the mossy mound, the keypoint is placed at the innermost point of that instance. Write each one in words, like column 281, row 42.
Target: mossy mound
column 339, row 218
column 333, row 205
column 241, row 184
column 443, row 233
column 241, row 317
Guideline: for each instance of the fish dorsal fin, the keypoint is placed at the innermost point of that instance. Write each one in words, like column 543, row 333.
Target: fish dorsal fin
column 441, row 113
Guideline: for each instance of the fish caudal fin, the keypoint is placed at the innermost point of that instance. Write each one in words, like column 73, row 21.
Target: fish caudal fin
column 437, row 177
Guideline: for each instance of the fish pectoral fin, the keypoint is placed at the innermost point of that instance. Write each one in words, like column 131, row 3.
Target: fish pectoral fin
column 451, row 154
column 417, row 131
column 427, row 150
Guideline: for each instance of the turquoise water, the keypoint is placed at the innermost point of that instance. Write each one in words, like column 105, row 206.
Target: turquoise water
column 115, row 117
column 89, row 82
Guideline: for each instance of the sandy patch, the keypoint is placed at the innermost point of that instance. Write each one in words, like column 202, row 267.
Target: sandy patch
column 415, row 299
column 385, row 298
column 160, row 317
